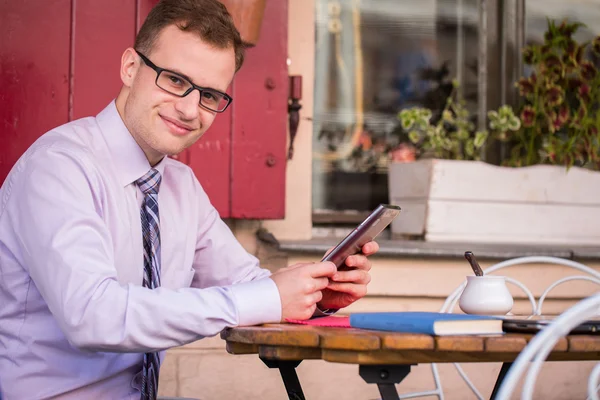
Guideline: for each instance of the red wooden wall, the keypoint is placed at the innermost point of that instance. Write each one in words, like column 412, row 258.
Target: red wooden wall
column 59, row 60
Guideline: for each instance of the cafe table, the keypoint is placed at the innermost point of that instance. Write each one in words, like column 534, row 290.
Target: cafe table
column 385, row 358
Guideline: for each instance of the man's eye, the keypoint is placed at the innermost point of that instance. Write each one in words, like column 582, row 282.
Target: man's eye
column 175, row 80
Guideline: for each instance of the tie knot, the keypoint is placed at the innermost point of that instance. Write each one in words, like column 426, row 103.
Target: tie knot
column 150, row 182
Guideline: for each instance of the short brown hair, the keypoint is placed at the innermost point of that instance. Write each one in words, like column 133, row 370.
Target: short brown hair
column 207, row 18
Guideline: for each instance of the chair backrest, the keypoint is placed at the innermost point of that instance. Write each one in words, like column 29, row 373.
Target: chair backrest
column 585, row 273
column 538, row 349
column 581, row 273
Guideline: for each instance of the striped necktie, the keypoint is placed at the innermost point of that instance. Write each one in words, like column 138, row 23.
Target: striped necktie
column 149, row 185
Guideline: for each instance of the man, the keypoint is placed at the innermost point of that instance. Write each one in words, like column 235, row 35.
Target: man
column 111, row 252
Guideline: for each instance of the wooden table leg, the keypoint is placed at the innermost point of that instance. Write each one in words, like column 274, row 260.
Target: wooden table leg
column 386, row 377
column 505, row 367
column 287, row 369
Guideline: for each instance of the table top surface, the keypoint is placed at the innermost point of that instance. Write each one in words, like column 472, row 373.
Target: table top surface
column 360, row 346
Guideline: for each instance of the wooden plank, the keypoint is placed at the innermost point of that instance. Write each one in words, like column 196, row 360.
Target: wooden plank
column 405, row 341
column 372, row 357
column 506, row 344
column 567, row 356
column 289, row 353
column 273, row 335
column 459, row 343
column 388, row 357
column 583, row 343
column 260, row 122
column 349, row 339
column 101, row 32
column 34, row 73
column 241, row 348
column 294, row 342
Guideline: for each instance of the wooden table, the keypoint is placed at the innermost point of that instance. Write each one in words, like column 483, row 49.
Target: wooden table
column 385, row 358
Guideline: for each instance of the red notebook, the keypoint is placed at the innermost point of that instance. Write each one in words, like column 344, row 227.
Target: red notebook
column 332, row 321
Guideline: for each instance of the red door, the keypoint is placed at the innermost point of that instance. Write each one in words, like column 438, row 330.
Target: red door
column 59, row 62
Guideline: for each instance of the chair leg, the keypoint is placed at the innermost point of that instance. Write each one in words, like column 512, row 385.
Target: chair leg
column 505, row 367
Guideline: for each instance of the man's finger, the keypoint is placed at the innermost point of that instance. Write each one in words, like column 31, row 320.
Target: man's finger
column 355, row 276
column 370, row 248
column 298, row 265
column 321, row 283
column 358, row 261
column 317, row 297
column 321, row 269
column 352, row 289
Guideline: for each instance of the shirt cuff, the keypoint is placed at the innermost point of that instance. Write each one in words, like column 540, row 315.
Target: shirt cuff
column 257, row 302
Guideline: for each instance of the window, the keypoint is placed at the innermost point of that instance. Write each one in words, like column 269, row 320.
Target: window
column 374, row 58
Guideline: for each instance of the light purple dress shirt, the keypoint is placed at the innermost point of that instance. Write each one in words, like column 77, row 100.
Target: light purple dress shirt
column 74, row 317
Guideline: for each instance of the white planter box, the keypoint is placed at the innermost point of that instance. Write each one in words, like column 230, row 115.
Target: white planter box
column 471, row 201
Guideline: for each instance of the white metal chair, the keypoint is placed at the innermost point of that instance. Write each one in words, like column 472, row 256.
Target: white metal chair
column 536, row 352
column 582, row 273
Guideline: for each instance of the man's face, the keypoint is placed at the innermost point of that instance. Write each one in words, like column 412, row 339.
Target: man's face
column 160, row 122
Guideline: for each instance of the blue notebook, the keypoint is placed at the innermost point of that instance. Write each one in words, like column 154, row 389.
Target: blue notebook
column 439, row 324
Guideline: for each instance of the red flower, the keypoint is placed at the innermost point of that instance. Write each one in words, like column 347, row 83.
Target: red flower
column 573, row 53
column 526, row 86
column 554, row 96
column 584, row 92
column 528, row 116
column 563, row 113
column 552, row 61
column 404, row 153
column 560, row 119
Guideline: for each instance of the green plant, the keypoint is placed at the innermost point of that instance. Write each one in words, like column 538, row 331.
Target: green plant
column 453, row 136
column 503, row 122
column 560, row 116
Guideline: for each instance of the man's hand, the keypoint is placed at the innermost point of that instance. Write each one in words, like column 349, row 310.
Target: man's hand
column 350, row 282
column 300, row 288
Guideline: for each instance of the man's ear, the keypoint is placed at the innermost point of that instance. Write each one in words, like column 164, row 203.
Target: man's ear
column 130, row 63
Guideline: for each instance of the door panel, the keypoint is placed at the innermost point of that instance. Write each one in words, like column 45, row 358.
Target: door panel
column 260, row 122
column 103, row 30
column 34, row 73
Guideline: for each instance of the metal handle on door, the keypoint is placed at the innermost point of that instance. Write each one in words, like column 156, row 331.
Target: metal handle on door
column 294, row 107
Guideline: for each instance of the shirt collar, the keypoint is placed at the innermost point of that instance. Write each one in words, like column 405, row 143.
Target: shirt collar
column 127, row 156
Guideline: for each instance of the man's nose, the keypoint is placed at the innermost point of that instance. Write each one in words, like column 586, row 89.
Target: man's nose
column 188, row 106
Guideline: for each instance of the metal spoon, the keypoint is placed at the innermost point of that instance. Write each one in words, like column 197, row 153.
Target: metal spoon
column 474, row 264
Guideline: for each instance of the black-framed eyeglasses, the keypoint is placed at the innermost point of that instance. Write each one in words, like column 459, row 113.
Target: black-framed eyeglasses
column 180, row 86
